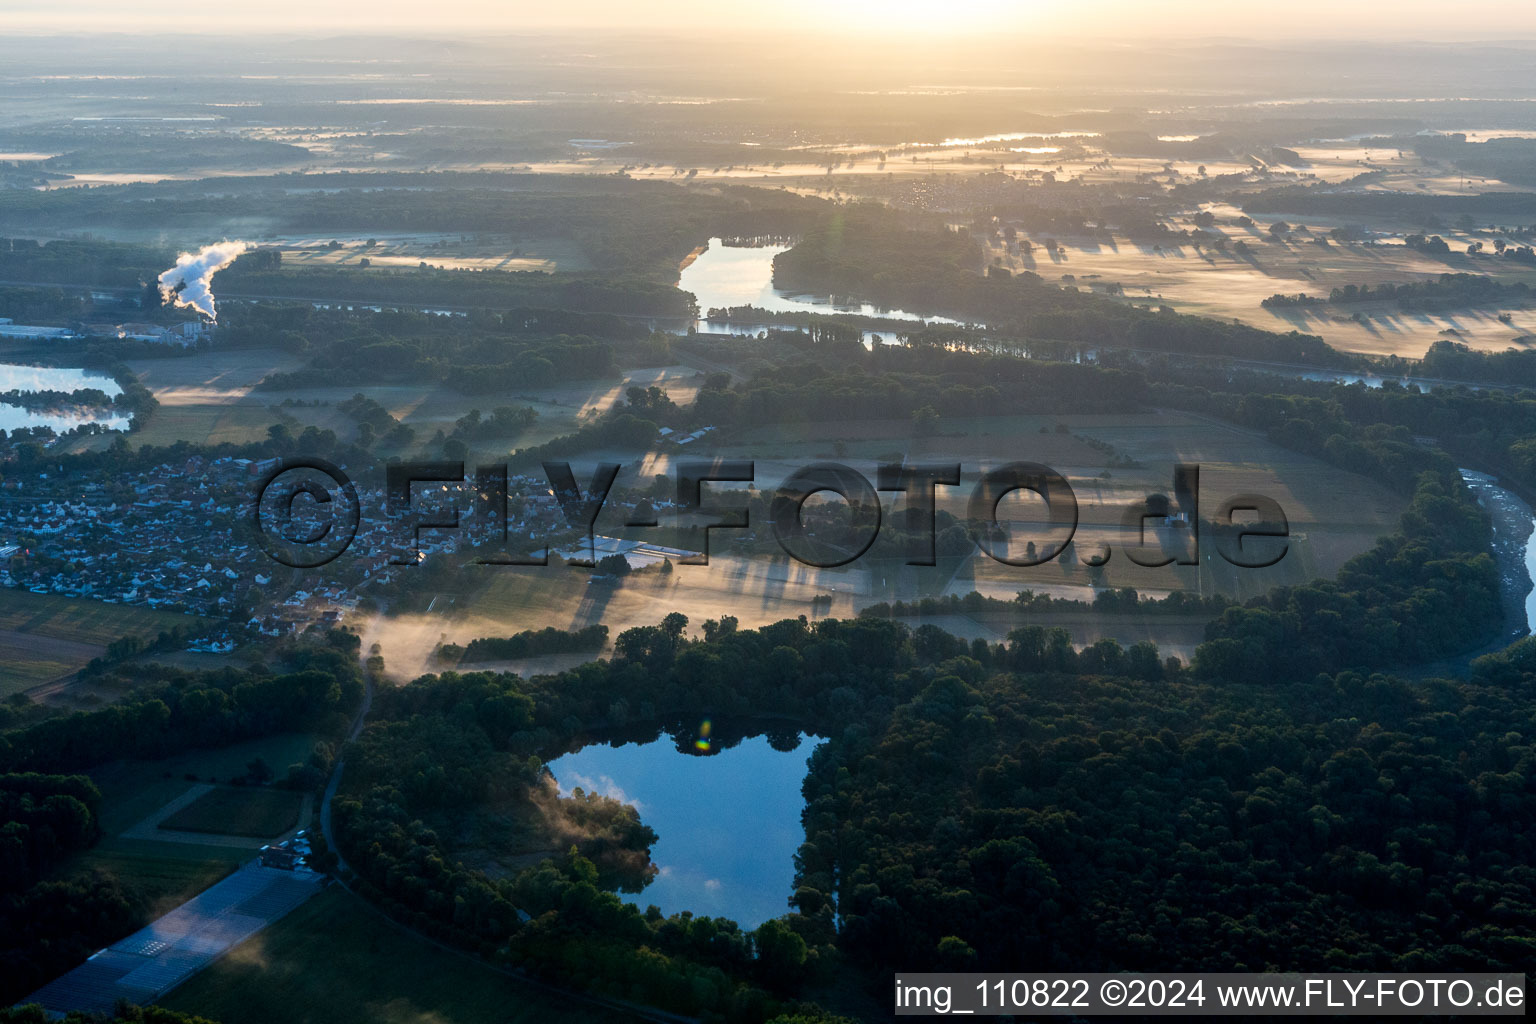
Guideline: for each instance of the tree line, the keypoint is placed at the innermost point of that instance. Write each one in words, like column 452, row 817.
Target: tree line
column 529, row 644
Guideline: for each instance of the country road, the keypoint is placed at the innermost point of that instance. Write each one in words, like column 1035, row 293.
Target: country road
column 644, row 1013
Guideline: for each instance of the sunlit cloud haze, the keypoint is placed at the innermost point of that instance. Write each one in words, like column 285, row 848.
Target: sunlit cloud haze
column 1358, row 19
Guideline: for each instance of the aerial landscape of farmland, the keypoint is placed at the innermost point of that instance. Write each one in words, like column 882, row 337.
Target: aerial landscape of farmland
column 512, row 514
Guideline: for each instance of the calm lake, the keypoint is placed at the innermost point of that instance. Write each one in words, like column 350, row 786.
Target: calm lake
column 728, row 824
column 724, row 276
column 53, row 378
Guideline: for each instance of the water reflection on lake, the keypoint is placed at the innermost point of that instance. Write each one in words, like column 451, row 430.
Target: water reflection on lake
column 725, row 276
column 1514, row 541
column 728, row 824
column 54, row 378
column 13, row 417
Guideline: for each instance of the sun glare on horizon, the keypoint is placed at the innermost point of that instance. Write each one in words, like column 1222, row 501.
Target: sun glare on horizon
column 924, row 16
column 912, row 19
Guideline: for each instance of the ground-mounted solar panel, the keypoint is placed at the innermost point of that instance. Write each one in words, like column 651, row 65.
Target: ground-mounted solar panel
column 145, row 965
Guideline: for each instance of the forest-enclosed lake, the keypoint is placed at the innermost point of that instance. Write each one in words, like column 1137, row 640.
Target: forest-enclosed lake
column 728, row 824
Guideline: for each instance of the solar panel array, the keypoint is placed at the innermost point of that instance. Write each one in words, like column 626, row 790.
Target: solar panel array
column 153, row 960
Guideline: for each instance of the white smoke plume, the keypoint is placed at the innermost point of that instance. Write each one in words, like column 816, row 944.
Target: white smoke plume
column 190, row 281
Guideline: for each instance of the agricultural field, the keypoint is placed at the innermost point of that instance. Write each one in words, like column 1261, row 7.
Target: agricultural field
column 1080, row 156
column 45, row 638
column 453, row 252
column 1068, row 154
column 501, row 600
column 1231, row 286
column 79, row 619
column 214, row 375
column 1110, row 461
column 204, row 423
column 205, row 398
column 30, row 660
column 1333, row 515
column 336, row 961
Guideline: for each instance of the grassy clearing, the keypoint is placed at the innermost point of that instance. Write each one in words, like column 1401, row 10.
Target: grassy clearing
column 163, row 880
column 133, row 790
column 334, row 961
column 239, row 811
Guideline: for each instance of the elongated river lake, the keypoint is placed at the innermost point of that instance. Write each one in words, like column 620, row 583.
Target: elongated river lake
column 725, row 276
column 1514, row 541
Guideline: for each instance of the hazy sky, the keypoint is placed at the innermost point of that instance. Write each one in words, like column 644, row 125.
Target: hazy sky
column 1359, row 19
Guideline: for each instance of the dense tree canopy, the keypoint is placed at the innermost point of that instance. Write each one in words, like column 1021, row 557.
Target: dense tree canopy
column 1028, row 803
column 53, row 915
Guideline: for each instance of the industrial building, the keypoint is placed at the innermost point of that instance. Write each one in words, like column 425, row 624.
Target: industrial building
column 10, row 329
column 189, row 333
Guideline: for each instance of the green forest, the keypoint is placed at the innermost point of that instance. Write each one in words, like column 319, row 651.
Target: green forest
column 52, row 916
column 980, row 806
